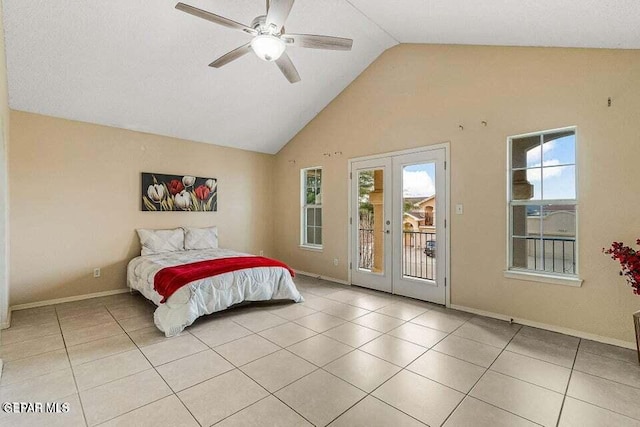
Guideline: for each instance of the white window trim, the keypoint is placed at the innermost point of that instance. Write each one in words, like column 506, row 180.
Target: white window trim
column 303, row 206
column 554, row 279
column 532, row 275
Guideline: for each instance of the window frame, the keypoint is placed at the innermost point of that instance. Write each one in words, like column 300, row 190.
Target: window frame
column 303, row 210
column 570, row 279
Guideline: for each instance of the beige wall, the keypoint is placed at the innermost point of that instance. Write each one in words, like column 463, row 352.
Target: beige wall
column 75, row 201
column 416, row 95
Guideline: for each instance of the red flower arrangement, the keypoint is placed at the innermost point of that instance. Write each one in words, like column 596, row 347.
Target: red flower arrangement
column 629, row 260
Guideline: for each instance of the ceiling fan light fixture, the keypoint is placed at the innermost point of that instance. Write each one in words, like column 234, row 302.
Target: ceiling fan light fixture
column 268, row 47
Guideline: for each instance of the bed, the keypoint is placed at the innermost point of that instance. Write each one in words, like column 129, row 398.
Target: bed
column 207, row 295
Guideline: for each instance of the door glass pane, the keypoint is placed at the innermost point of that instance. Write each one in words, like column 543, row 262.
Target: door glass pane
column 419, row 221
column 371, row 220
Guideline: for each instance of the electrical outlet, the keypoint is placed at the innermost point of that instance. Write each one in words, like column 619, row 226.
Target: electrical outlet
column 261, row 253
column 96, row 272
column 335, row 261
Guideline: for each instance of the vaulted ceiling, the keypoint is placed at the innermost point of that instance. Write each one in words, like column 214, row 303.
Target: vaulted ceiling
column 142, row 65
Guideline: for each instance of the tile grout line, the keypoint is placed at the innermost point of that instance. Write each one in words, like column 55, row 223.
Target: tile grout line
column 566, row 390
column 245, row 374
column 468, row 394
column 394, row 375
column 239, row 367
column 161, row 377
column 606, row 409
column 130, row 375
column 73, row 373
column 320, row 368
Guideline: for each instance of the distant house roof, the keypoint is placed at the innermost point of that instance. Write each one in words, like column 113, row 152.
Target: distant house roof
column 423, row 200
column 417, row 200
column 417, row 215
column 412, row 200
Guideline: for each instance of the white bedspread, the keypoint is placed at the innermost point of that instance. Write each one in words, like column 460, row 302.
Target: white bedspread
column 208, row 295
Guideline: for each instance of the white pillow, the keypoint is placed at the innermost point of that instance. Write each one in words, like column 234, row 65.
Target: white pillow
column 160, row 241
column 200, row 238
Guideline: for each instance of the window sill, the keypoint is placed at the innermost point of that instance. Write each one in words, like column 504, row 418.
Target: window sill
column 543, row 278
column 311, row 248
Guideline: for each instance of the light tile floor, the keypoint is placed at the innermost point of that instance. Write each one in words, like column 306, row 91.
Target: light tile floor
column 346, row 356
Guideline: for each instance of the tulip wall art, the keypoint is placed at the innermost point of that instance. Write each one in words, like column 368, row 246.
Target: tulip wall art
column 179, row 193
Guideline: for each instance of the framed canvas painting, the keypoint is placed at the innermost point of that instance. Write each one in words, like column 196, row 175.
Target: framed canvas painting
column 164, row 193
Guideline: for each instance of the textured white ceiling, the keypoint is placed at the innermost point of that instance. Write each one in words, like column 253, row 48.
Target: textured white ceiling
column 142, row 65
column 560, row 23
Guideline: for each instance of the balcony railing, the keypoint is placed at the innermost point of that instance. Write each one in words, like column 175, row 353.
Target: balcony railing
column 418, row 253
column 549, row 254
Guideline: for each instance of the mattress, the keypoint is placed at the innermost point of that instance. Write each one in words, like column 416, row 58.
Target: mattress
column 209, row 295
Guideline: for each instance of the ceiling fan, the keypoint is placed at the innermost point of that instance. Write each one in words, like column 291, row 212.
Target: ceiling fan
column 269, row 38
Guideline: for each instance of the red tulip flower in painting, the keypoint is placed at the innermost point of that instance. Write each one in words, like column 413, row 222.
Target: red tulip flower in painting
column 202, row 192
column 175, row 186
column 629, row 260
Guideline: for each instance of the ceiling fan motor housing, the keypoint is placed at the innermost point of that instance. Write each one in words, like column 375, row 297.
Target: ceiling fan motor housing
column 259, row 24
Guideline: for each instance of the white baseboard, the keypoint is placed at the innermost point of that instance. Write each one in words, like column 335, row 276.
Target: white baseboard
column 319, row 276
column 7, row 323
column 67, row 299
column 553, row 328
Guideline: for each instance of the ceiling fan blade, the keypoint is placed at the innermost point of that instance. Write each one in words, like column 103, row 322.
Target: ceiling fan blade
column 278, row 12
column 231, row 56
column 217, row 19
column 319, row 42
column 287, row 68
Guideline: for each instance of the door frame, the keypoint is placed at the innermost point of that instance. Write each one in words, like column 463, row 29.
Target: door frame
column 447, row 230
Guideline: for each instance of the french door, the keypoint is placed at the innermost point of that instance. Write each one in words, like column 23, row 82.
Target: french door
column 398, row 213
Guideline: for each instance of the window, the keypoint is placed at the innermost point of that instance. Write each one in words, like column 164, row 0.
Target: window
column 543, row 203
column 311, row 185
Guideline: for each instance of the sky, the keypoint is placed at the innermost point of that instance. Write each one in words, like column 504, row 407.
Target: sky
column 558, row 182
column 419, row 180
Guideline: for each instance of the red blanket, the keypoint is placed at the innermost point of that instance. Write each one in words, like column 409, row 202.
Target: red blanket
column 168, row 280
